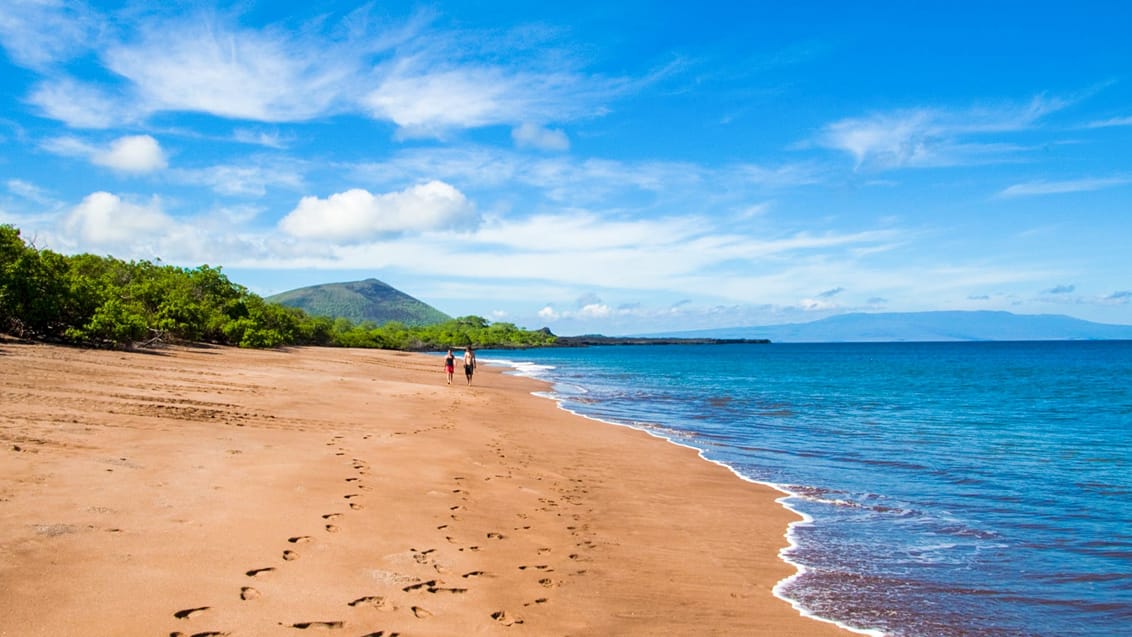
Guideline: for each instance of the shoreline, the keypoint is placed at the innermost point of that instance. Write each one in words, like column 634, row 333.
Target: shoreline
column 353, row 491
column 518, row 368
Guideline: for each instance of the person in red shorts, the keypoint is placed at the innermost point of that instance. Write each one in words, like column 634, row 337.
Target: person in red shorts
column 450, row 365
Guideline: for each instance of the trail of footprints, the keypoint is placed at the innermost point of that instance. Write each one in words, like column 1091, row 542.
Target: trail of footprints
column 249, row 593
column 542, row 571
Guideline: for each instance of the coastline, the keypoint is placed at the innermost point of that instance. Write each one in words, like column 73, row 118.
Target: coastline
column 353, row 491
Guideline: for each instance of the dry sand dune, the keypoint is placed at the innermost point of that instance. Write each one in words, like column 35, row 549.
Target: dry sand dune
column 214, row 491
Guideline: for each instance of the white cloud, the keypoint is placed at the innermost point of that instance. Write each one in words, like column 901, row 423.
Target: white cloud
column 428, row 104
column 198, row 64
column 1111, row 122
column 106, row 220
column 260, row 138
column 30, row 191
column 81, row 105
column 530, row 135
column 595, row 310
column 251, row 180
column 357, row 215
column 130, row 154
column 133, row 154
column 40, row 33
column 1035, row 188
column 933, row 137
column 548, row 313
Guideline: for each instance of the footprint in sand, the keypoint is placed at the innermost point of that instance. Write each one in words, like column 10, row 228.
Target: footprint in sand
column 256, row 572
column 331, row 516
column 355, row 506
column 210, row 633
column 334, row 625
column 299, row 539
column 290, row 556
column 248, row 593
column 420, row 613
column 373, row 601
column 189, row 612
column 331, row 528
column 473, row 574
column 504, row 618
column 494, row 536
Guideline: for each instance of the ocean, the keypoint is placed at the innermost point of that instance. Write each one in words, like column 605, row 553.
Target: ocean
column 948, row 488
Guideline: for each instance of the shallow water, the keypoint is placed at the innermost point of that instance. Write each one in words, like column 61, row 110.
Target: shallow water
column 954, row 488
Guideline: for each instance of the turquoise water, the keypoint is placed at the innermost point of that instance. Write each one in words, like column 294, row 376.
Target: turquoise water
column 952, row 488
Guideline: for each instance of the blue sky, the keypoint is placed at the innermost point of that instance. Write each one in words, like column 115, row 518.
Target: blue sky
column 620, row 168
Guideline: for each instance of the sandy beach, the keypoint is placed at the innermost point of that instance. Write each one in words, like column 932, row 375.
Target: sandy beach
column 216, row 491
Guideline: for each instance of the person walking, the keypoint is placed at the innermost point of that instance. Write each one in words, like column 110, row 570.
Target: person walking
column 469, row 363
column 450, row 365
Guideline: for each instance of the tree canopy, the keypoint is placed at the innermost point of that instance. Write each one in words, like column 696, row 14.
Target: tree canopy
column 107, row 302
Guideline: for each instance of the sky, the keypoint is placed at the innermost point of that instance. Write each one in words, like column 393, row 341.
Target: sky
column 618, row 168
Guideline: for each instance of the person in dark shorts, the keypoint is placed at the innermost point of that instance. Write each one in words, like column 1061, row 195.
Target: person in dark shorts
column 469, row 363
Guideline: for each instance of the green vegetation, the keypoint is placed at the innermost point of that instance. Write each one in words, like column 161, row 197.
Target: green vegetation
column 106, row 302
column 361, row 301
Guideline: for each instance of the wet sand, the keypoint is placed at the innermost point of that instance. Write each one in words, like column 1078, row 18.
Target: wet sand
column 216, row 491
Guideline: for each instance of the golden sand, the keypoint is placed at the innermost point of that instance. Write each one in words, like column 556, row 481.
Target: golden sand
column 216, row 491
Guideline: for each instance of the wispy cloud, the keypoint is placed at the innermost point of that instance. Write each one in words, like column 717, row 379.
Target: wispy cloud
column 39, row 34
column 427, row 82
column 255, row 178
column 204, row 64
column 1060, row 289
column 926, row 137
column 1111, row 122
column 530, row 135
column 1036, row 188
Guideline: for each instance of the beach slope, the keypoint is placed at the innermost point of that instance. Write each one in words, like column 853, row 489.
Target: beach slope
column 216, row 491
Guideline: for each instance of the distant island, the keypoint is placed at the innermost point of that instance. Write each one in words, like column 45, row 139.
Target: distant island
column 597, row 339
column 924, row 327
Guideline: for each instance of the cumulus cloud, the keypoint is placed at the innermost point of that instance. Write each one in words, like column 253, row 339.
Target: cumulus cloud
column 595, row 310
column 529, row 135
column 357, row 215
column 106, row 220
column 548, row 313
column 132, row 154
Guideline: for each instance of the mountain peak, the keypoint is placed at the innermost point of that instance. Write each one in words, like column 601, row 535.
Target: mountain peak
column 359, row 301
